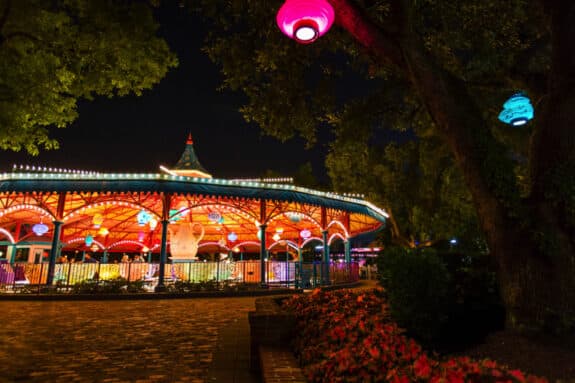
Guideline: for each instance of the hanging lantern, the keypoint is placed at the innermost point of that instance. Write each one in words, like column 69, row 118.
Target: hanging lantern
column 143, row 217
column 141, row 236
column 276, row 237
column 97, row 220
column 279, row 230
column 145, row 249
column 88, row 240
column 517, row 110
column 305, row 20
column 214, row 216
column 40, row 229
column 94, row 247
column 236, row 250
column 103, row 231
column 153, row 223
column 232, row 237
column 294, row 217
column 305, row 233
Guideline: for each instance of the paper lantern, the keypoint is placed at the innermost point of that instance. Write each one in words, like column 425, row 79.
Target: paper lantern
column 153, row 223
column 143, row 217
column 232, row 237
column 305, row 20
column 276, row 237
column 517, row 110
column 103, row 231
column 141, row 236
column 305, row 233
column 97, row 220
column 40, row 229
column 294, row 217
column 88, row 240
column 214, row 216
column 94, row 247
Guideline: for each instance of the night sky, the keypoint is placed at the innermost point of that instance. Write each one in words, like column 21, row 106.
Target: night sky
column 137, row 134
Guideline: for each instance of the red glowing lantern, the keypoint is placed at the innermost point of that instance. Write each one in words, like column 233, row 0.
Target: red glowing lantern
column 305, row 20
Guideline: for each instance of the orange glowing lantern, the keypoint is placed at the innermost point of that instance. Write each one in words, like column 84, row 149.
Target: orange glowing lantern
column 97, row 220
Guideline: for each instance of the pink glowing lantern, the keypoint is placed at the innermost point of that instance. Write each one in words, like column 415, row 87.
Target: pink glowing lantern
column 305, row 20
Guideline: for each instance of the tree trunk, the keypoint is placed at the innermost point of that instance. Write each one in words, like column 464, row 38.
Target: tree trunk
column 530, row 239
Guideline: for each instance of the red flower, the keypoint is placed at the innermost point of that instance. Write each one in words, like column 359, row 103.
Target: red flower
column 517, row 375
column 421, row 367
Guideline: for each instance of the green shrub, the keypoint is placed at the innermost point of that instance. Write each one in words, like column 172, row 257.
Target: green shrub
column 417, row 285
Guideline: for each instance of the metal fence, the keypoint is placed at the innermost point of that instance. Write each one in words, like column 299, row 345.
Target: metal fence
column 287, row 274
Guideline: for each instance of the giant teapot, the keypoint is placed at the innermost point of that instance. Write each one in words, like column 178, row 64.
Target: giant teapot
column 184, row 241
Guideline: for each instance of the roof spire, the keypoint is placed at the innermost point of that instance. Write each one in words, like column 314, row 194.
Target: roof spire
column 188, row 164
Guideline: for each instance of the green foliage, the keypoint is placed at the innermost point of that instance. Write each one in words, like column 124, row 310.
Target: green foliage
column 112, row 286
column 53, row 53
column 331, row 84
column 417, row 284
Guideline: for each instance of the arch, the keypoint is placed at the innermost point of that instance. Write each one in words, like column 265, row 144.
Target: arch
column 123, row 242
column 213, row 244
column 311, row 239
column 337, row 222
column 301, row 214
column 289, row 243
column 135, row 206
column 26, row 206
column 82, row 239
column 239, row 211
column 7, row 234
column 333, row 236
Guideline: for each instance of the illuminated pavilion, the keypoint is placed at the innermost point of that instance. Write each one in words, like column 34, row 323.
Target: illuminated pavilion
column 44, row 212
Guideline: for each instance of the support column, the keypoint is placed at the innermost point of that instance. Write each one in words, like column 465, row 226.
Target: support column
column 54, row 251
column 347, row 251
column 325, row 268
column 163, row 250
column 105, row 257
column 263, row 253
column 300, row 261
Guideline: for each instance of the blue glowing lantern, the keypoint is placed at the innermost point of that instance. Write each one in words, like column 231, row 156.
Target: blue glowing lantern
column 143, row 217
column 89, row 239
column 232, row 237
column 40, row 229
column 517, row 110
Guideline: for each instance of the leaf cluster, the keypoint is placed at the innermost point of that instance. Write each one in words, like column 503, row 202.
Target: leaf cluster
column 53, row 53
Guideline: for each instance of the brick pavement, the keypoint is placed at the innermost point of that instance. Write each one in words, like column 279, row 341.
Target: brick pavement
column 143, row 341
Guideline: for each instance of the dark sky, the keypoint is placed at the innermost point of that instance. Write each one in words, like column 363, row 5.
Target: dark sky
column 137, row 134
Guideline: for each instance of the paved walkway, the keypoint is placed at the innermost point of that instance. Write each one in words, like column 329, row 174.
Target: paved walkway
column 145, row 341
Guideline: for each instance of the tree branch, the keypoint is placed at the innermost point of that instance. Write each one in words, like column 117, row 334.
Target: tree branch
column 487, row 171
column 380, row 44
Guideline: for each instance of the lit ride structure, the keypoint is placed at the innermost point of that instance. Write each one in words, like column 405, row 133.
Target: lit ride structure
column 182, row 225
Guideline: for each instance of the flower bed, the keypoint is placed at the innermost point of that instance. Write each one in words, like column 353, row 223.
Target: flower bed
column 348, row 336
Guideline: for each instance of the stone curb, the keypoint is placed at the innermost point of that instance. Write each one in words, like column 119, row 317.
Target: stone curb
column 144, row 296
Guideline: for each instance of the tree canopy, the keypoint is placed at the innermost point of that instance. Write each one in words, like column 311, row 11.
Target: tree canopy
column 53, row 53
column 411, row 91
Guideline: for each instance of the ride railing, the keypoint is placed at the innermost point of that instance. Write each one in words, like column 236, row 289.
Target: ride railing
column 277, row 273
